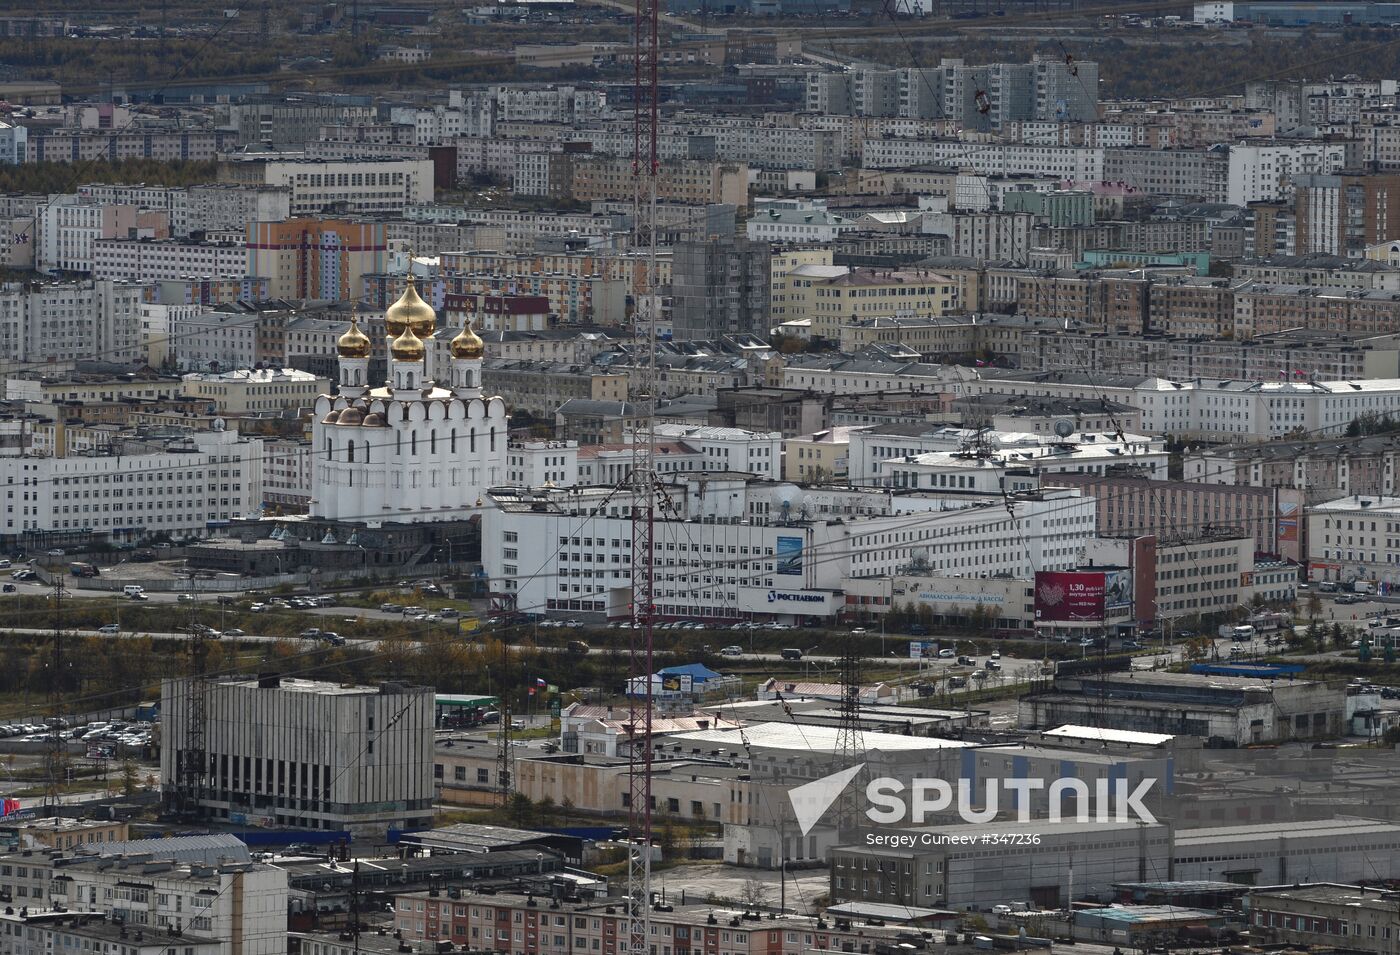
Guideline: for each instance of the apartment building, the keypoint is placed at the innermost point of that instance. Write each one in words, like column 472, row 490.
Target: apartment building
column 318, row 258
column 92, row 145
column 720, row 286
column 203, row 207
column 576, row 299
column 320, row 755
column 1137, row 506
column 60, row 933
column 540, row 387
column 66, row 227
column 293, row 124
column 148, row 259
column 382, row 186
column 515, row 925
column 1199, row 173
column 66, row 321
column 782, row 306
column 1266, row 171
column 1344, row 214
column 249, row 391
column 860, row 294
column 691, row 180
column 286, row 473
column 1353, row 538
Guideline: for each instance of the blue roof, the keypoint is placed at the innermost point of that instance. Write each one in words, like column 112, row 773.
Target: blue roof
column 696, row 671
column 1263, row 671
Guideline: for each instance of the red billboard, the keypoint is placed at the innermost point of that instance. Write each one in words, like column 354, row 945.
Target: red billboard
column 1069, row 596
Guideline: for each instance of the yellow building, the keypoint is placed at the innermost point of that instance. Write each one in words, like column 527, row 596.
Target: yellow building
column 830, row 301
column 696, row 181
column 783, row 262
column 819, row 456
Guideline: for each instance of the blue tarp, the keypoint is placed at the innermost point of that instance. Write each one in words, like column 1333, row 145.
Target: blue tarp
column 697, row 672
column 285, row 837
column 1263, row 671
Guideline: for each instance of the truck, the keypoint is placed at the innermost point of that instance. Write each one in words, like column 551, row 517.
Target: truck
column 1270, row 621
column 1362, row 587
column 81, row 569
column 1239, row 633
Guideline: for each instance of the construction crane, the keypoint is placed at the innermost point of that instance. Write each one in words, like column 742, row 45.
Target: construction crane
column 645, row 122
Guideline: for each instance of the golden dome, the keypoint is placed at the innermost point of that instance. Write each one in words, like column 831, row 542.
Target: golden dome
column 467, row 344
column 410, row 311
column 407, row 347
column 354, row 343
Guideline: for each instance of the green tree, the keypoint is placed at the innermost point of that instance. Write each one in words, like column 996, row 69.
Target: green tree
column 130, row 778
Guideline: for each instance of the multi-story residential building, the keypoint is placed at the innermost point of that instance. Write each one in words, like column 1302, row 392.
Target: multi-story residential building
column 92, row 145
column 576, row 299
column 1192, row 308
column 1344, row 214
column 61, row 933
column 66, row 321
column 1353, row 538
column 782, row 306
column 494, row 922
column 1138, row 506
column 720, row 286
column 797, row 226
column 286, row 473
column 316, row 258
column 1074, row 163
column 858, row 294
column 320, row 755
column 536, row 463
column 381, row 186
column 148, row 259
column 178, row 485
column 1199, row 173
column 293, row 124
column 692, row 180
column 226, row 909
column 541, row 387
column 1266, row 171
column 251, row 391
column 66, row 227
column 214, row 339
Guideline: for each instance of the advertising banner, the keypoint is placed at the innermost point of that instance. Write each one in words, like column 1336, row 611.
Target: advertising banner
column 1070, row 596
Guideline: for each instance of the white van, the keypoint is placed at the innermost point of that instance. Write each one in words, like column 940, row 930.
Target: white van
column 131, row 590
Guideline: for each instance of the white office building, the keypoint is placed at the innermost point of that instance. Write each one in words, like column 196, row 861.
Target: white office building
column 728, row 547
column 353, row 186
column 180, row 486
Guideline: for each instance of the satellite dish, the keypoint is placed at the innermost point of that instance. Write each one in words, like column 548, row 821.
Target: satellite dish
column 1064, row 427
column 784, row 495
column 218, row 424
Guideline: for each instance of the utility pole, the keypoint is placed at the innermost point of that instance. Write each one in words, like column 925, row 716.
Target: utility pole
column 504, row 765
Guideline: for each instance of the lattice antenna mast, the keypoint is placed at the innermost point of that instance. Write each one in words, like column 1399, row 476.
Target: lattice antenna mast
column 645, row 121
column 850, row 748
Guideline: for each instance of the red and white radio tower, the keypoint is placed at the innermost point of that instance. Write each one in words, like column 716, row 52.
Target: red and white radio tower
column 645, row 119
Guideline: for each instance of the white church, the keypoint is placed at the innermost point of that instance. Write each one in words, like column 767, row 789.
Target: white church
column 415, row 449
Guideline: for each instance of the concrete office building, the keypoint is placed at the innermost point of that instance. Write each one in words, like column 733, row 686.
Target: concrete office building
column 318, row 755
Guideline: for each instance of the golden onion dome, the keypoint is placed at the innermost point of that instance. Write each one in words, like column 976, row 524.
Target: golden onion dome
column 410, row 311
column 407, row 347
column 467, row 344
column 354, row 343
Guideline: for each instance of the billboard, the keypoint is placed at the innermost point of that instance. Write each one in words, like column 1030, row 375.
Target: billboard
column 790, row 555
column 1071, row 596
column 923, row 649
column 1118, row 589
